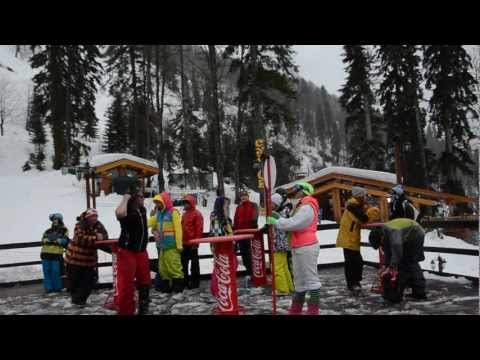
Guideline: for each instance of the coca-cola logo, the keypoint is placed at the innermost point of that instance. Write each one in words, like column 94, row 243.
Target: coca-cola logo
column 224, row 296
column 257, row 258
column 114, row 274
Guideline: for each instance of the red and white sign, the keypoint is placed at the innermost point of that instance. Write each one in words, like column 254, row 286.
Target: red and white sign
column 259, row 275
column 224, row 279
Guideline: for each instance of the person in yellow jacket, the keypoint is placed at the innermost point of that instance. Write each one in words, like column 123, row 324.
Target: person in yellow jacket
column 54, row 241
column 283, row 277
column 349, row 238
column 166, row 225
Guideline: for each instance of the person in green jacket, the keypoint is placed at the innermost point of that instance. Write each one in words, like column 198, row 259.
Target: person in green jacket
column 402, row 240
column 54, row 241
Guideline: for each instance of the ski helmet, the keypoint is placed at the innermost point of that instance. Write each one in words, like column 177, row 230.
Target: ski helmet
column 304, row 186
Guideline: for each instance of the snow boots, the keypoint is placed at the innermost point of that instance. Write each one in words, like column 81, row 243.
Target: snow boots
column 163, row 286
column 143, row 300
column 313, row 309
column 297, row 303
column 295, row 308
column 178, row 285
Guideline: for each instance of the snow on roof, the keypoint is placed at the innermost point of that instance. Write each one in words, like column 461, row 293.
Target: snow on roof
column 99, row 160
column 367, row 174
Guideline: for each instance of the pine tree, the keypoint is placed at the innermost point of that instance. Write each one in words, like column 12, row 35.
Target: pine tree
column 37, row 134
column 447, row 73
column 363, row 126
column 400, row 94
column 65, row 88
column 265, row 95
column 127, row 75
column 116, row 134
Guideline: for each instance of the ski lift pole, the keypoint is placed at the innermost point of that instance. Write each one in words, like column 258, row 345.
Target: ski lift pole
column 268, row 204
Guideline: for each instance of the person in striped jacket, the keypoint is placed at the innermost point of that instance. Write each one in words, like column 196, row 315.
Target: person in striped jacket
column 81, row 255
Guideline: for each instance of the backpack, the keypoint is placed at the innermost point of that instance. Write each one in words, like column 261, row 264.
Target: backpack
column 411, row 211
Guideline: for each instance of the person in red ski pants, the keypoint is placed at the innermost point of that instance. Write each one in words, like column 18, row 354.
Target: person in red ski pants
column 132, row 258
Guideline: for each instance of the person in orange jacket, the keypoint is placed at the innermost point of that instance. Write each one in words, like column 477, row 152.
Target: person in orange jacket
column 192, row 228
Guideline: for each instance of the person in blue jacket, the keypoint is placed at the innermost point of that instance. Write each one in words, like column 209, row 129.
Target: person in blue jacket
column 54, row 241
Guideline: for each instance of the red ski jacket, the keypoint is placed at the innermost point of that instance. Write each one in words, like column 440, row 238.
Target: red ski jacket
column 246, row 216
column 192, row 221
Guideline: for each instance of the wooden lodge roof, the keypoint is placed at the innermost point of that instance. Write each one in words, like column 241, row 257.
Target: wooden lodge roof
column 376, row 183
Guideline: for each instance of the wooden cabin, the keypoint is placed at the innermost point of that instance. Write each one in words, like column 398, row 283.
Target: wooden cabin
column 333, row 186
column 108, row 167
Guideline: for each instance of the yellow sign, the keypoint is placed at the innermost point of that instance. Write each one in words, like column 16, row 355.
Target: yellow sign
column 259, row 152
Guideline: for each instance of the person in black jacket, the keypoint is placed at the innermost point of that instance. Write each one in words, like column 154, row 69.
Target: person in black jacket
column 401, row 206
column 132, row 258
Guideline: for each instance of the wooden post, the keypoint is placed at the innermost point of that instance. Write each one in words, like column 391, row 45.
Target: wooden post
column 384, row 215
column 337, row 206
column 87, row 181
column 94, row 191
column 398, row 163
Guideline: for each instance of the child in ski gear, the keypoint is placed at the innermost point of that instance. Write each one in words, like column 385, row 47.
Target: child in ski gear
column 81, row 256
column 283, row 278
column 401, row 206
column 192, row 228
column 133, row 266
column 348, row 237
column 402, row 240
column 54, row 241
column 166, row 227
column 246, row 217
column 220, row 225
column 305, row 248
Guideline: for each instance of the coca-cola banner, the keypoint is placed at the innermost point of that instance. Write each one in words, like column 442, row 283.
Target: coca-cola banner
column 259, row 276
column 225, row 272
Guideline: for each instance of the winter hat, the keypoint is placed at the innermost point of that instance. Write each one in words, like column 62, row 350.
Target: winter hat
column 358, row 192
column 277, row 199
column 306, row 187
column 56, row 216
column 91, row 212
column 397, row 190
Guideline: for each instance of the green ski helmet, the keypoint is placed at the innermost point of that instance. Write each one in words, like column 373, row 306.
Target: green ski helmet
column 304, row 186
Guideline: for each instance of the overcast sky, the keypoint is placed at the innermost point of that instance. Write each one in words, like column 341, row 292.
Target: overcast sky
column 322, row 65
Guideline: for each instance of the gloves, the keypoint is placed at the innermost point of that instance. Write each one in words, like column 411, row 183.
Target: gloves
column 276, row 215
column 271, row 220
column 62, row 242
